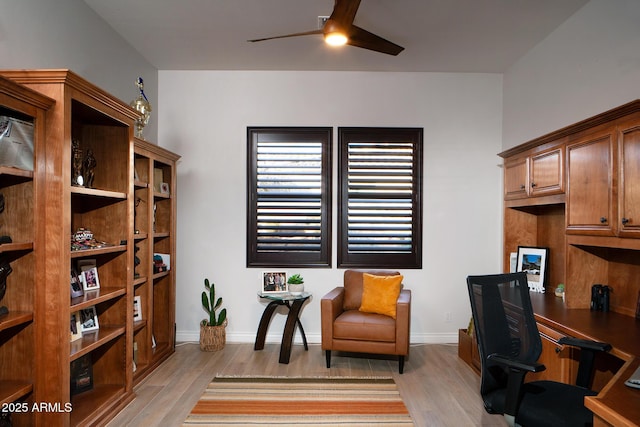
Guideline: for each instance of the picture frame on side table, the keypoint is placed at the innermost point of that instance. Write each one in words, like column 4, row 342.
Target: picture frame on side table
column 533, row 261
column 274, row 282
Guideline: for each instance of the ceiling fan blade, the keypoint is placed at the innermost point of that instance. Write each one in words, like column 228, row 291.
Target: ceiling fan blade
column 305, row 33
column 366, row 40
column 344, row 12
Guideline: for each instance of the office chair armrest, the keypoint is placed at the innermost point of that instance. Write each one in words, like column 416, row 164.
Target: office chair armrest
column 588, row 350
column 517, row 371
column 585, row 344
column 516, row 364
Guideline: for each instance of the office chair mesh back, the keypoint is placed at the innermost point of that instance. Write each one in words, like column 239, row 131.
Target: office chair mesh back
column 504, row 324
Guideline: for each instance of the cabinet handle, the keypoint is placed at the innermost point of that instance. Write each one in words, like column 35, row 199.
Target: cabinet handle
column 533, row 185
column 603, row 220
column 522, row 186
column 558, row 350
column 625, row 221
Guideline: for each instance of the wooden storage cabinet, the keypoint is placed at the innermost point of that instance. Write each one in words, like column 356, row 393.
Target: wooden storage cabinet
column 555, row 357
column 629, row 178
column 155, row 232
column 20, row 220
column 103, row 125
column 590, row 168
column 534, row 175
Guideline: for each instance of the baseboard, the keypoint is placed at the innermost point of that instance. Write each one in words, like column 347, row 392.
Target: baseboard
column 249, row 337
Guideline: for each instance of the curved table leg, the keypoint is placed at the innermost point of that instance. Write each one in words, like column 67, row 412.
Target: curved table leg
column 264, row 324
column 289, row 329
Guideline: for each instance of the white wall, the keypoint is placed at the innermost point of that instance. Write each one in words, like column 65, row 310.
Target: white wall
column 590, row 64
column 204, row 115
column 68, row 34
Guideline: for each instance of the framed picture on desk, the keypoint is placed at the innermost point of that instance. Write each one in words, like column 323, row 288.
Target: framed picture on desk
column 274, row 282
column 533, row 261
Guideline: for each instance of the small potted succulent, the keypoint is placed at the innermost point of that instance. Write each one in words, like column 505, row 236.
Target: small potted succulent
column 212, row 330
column 296, row 284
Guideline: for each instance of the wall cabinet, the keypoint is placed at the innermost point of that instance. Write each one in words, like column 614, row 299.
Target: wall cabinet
column 590, row 167
column 604, row 180
column 534, row 175
column 629, row 178
column 46, row 208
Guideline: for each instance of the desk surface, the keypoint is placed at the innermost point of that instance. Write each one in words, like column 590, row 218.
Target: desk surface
column 616, row 403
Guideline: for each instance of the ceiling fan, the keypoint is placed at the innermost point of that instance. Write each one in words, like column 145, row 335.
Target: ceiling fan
column 339, row 30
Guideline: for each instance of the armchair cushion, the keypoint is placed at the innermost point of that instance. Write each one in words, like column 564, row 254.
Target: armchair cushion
column 380, row 294
column 353, row 283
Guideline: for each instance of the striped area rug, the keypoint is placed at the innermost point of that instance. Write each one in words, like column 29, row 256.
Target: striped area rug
column 280, row 401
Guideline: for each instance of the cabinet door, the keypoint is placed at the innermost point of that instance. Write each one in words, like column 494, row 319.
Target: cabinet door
column 556, row 358
column 590, row 202
column 629, row 184
column 516, row 178
column 546, row 173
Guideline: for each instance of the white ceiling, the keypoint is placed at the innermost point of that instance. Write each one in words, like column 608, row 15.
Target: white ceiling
column 438, row 35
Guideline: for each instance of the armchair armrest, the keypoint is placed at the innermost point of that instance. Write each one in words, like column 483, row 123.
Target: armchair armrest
column 330, row 307
column 403, row 321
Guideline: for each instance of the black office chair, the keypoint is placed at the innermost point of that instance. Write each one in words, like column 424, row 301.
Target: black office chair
column 510, row 345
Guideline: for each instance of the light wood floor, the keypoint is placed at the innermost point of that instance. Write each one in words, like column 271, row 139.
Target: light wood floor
column 437, row 387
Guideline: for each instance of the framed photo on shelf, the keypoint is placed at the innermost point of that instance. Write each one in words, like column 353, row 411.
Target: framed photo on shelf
column 137, row 308
column 533, row 261
column 89, row 278
column 76, row 327
column 76, row 284
column 164, row 188
column 274, row 282
column 89, row 319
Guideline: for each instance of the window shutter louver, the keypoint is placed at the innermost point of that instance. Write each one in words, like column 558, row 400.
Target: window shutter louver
column 290, row 201
column 380, row 206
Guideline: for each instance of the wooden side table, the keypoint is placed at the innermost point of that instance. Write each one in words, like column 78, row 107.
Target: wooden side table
column 294, row 303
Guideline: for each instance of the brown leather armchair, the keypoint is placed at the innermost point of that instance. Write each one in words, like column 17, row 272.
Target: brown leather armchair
column 345, row 328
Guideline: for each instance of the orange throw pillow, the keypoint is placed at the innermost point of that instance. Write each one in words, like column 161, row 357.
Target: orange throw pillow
column 380, row 294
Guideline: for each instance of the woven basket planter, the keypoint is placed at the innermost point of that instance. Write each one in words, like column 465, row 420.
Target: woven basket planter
column 213, row 338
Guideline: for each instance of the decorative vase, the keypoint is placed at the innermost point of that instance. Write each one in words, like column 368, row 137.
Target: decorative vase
column 296, row 288
column 213, row 338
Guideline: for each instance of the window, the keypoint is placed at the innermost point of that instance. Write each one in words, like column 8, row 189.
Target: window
column 289, row 196
column 380, row 197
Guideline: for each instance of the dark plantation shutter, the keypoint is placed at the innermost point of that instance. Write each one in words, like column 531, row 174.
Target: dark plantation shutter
column 289, row 197
column 380, row 197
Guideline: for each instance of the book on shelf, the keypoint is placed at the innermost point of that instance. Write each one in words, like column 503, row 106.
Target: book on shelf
column 81, row 373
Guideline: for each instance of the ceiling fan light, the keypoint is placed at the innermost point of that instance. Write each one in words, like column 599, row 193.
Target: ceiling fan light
column 335, row 39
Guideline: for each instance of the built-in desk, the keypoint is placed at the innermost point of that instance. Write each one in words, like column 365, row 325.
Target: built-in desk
column 616, row 404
